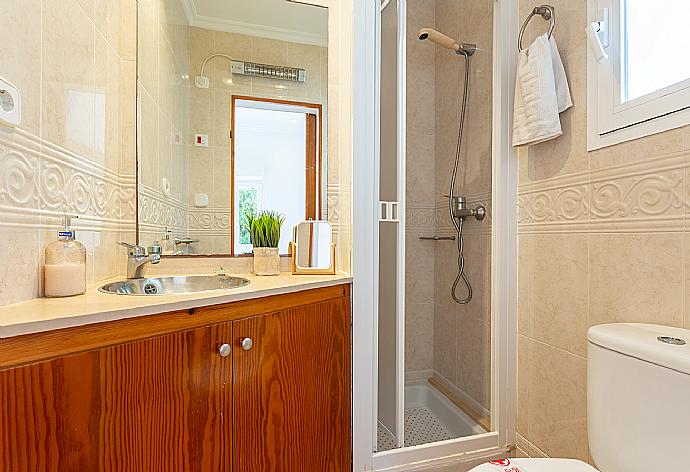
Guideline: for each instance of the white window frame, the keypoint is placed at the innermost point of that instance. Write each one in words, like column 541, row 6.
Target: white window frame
column 609, row 121
column 255, row 183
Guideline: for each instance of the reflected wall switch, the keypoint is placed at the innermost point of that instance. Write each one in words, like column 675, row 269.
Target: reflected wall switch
column 200, row 200
column 201, row 140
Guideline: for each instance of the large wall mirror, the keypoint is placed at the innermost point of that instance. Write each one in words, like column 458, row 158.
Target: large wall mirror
column 232, row 118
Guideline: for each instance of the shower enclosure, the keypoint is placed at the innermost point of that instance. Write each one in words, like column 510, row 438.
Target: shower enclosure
column 434, row 370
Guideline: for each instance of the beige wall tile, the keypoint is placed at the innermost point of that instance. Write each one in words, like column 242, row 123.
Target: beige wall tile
column 523, row 381
column 165, row 145
column 239, row 47
column 306, row 57
column 148, row 151
column 323, row 92
column 445, row 314
column 222, row 110
column 686, row 279
column 107, row 110
column 419, row 335
column 222, row 177
column 88, row 7
column 20, row 249
column 559, row 291
column 201, row 113
column 105, row 259
column 686, row 137
column 128, row 116
column 473, row 338
column 419, row 280
column 68, row 75
column 201, row 173
column 148, row 48
column 636, row 278
column 557, row 401
column 108, row 20
column 656, row 145
column 201, row 45
column 420, row 176
column 526, row 273
column 128, row 30
column 22, row 66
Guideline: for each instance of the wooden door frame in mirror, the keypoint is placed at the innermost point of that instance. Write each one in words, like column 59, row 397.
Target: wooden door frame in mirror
column 313, row 185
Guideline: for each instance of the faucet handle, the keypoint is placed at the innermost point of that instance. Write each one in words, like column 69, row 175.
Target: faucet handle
column 155, row 251
column 133, row 249
column 155, row 248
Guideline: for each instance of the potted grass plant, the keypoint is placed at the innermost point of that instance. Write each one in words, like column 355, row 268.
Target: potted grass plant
column 264, row 234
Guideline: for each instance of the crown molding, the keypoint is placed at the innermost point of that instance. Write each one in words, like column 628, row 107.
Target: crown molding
column 249, row 29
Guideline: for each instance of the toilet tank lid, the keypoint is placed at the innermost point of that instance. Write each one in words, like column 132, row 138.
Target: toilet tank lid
column 646, row 342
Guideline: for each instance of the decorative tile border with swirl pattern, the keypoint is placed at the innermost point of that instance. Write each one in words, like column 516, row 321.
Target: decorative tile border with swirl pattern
column 157, row 211
column 40, row 181
column 645, row 196
column 427, row 218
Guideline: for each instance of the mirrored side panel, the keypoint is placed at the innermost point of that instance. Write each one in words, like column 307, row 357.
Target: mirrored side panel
column 232, row 120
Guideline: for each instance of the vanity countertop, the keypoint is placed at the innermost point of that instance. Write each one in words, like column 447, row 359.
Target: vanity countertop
column 46, row 314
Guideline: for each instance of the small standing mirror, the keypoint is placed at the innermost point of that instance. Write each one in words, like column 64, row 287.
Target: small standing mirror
column 312, row 248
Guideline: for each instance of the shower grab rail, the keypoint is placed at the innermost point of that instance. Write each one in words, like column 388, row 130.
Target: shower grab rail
column 547, row 12
column 437, row 238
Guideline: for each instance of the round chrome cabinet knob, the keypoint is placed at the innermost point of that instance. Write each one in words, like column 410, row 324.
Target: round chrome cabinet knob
column 246, row 343
column 224, row 350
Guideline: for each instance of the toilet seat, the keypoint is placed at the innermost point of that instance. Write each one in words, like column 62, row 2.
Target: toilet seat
column 537, row 465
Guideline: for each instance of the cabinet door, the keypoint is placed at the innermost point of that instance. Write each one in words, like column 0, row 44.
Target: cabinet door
column 291, row 397
column 159, row 404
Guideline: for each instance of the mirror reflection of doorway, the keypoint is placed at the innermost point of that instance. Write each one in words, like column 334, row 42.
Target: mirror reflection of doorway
column 276, row 164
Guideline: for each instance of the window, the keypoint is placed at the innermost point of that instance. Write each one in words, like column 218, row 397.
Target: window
column 276, row 164
column 642, row 84
column 249, row 200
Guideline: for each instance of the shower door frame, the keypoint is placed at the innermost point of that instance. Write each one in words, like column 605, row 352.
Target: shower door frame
column 366, row 107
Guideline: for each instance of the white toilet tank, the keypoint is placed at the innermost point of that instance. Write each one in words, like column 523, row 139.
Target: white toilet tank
column 638, row 397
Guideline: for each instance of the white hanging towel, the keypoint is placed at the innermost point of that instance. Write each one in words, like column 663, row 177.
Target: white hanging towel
column 541, row 93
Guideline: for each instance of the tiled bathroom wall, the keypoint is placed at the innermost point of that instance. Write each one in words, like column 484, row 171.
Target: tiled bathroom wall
column 74, row 64
column 420, row 194
column 210, row 113
column 602, row 238
column 445, row 340
column 462, row 347
column 163, row 98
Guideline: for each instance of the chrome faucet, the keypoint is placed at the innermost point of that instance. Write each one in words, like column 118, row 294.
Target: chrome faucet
column 137, row 257
column 462, row 210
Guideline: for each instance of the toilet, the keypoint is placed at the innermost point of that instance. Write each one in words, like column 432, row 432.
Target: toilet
column 638, row 403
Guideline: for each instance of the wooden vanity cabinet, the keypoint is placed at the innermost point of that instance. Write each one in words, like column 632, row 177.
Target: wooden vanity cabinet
column 171, row 397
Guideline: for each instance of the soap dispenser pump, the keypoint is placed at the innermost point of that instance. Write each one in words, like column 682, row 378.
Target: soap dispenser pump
column 65, row 263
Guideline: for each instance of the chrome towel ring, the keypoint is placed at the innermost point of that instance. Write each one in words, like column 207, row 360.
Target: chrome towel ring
column 547, row 12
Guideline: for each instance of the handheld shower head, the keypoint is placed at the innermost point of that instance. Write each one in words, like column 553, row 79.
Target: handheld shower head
column 445, row 41
column 438, row 38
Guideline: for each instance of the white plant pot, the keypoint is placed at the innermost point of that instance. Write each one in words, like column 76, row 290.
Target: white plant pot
column 266, row 261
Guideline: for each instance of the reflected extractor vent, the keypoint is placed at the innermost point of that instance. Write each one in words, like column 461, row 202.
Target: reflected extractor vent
column 293, row 74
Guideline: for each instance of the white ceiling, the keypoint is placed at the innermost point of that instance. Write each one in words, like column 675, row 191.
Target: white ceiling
column 276, row 19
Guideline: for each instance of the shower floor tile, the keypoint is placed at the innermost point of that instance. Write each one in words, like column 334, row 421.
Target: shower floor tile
column 421, row 427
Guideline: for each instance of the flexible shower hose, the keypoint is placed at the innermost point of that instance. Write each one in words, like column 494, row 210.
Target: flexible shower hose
column 458, row 222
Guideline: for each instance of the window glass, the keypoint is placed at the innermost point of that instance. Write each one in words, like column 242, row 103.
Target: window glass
column 656, row 45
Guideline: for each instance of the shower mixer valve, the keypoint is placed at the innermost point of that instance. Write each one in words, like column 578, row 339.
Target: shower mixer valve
column 462, row 210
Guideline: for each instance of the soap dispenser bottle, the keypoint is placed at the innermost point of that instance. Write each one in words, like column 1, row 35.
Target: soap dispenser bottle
column 65, row 264
column 167, row 246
